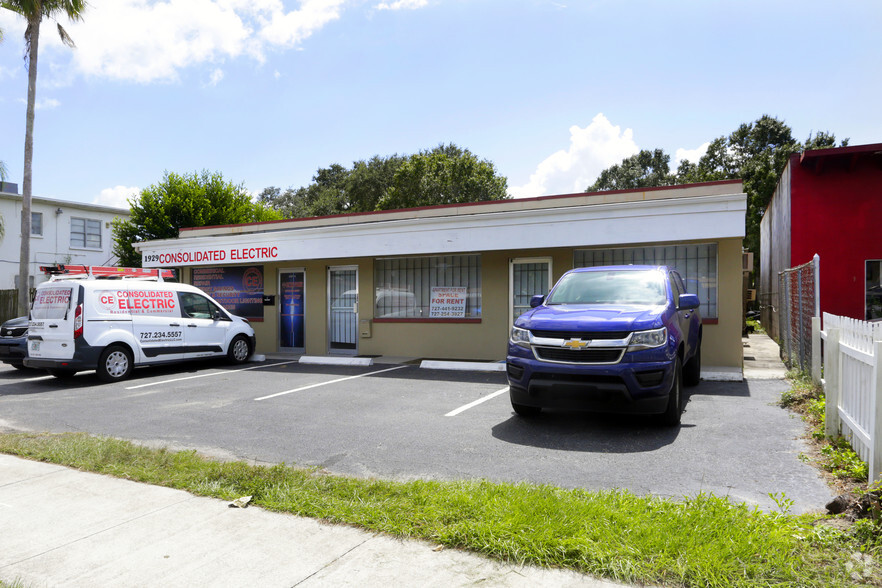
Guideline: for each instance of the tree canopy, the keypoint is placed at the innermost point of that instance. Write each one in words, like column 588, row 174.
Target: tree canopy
column 179, row 201
column 446, row 174
column 755, row 152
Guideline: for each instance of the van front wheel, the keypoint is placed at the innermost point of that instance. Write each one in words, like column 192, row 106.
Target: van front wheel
column 239, row 350
column 115, row 364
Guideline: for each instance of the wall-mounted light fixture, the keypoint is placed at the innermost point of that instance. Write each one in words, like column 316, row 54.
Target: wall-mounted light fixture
column 58, row 210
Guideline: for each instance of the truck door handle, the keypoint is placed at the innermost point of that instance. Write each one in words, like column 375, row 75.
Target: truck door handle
column 53, row 326
column 174, row 324
column 194, row 326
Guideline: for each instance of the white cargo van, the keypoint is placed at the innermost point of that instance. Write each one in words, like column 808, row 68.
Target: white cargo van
column 88, row 322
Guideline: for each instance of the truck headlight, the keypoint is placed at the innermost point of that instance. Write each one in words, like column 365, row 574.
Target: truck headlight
column 520, row 337
column 648, row 339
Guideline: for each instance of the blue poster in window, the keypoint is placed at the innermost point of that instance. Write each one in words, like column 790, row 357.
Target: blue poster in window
column 291, row 323
column 237, row 289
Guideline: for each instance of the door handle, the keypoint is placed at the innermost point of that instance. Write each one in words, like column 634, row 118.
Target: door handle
column 53, row 326
column 194, row 326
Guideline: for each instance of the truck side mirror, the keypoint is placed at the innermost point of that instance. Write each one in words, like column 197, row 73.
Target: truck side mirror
column 537, row 300
column 688, row 302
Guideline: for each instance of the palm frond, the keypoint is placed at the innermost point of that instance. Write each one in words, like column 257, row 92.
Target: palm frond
column 65, row 38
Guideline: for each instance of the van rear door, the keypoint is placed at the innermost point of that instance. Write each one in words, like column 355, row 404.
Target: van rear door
column 55, row 313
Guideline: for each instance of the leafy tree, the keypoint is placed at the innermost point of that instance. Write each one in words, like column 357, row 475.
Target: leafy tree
column 179, row 201
column 444, row 175
column 755, row 152
column 34, row 11
column 641, row 170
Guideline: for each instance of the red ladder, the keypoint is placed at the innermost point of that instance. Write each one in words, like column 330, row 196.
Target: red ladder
column 99, row 271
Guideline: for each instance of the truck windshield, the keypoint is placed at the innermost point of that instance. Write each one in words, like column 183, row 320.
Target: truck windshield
column 51, row 303
column 610, row 287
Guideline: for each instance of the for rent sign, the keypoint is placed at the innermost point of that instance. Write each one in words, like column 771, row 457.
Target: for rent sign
column 448, row 302
column 204, row 256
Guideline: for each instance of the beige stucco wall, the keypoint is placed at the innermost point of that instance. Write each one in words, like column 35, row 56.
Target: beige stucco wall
column 485, row 340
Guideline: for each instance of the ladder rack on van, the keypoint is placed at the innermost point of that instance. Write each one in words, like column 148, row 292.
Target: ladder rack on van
column 60, row 271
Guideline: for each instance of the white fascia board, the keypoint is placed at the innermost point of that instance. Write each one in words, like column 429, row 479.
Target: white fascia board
column 674, row 220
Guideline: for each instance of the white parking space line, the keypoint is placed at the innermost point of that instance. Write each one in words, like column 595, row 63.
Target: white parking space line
column 330, row 382
column 36, row 379
column 476, row 402
column 255, row 367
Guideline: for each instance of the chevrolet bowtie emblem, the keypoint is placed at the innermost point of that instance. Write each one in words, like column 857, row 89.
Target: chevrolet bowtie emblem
column 575, row 343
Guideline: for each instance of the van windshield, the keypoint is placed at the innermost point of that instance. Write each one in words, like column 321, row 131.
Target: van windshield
column 51, row 303
column 610, row 287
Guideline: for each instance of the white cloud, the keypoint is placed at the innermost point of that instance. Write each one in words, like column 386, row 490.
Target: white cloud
column 149, row 41
column 216, row 76
column 117, row 196
column 693, row 155
column 591, row 150
column 402, row 5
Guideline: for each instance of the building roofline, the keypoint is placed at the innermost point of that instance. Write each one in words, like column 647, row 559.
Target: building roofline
column 71, row 203
column 502, row 204
column 814, row 154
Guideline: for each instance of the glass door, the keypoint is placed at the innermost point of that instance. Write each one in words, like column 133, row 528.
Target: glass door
column 343, row 310
column 291, row 310
column 528, row 277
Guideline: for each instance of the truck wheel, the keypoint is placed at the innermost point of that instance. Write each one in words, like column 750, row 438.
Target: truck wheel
column 526, row 411
column 115, row 364
column 671, row 416
column 239, row 350
column 692, row 370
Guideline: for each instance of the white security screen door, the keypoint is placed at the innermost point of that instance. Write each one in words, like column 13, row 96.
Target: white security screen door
column 343, row 310
column 528, row 277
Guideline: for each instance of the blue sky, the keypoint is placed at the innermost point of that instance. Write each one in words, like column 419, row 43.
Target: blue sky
column 552, row 92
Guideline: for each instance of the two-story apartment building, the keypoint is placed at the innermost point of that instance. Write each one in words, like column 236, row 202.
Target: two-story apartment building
column 61, row 232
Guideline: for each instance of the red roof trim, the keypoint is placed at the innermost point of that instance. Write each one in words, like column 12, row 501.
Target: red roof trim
column 838, row 151
column 483, row 202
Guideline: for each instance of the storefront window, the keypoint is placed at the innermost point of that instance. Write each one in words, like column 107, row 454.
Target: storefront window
column 874, row 290
column 442, row 287
column 697, row 264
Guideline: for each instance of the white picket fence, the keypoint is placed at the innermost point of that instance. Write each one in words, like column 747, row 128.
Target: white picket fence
column 852, row 380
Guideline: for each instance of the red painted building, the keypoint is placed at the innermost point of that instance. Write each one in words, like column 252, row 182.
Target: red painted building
column 828, row 202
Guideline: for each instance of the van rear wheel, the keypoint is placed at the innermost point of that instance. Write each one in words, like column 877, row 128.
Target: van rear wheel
column 239, row 350
column 115, row 364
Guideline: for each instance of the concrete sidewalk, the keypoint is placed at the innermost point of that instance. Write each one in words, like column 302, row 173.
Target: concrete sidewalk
column 63, row 527
column 762, row 358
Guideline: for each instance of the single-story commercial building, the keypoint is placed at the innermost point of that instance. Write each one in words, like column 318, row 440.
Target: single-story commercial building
column 447, row 281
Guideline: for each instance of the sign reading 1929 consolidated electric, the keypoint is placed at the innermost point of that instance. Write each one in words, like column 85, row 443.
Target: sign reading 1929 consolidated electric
column 194, row 256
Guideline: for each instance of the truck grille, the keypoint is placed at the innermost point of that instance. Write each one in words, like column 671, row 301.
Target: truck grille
column 584, row 335
column 588, row 355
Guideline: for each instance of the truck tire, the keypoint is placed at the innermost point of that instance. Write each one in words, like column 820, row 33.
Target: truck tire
column 692, row 370
column 115, row 363
column 671, row 416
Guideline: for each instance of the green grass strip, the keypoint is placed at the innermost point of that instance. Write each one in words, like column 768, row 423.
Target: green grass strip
column 701, row 541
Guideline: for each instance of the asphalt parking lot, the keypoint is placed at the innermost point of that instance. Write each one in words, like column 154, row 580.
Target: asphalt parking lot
column 403, row 422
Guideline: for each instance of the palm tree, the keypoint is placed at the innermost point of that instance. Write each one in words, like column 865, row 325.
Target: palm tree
column 34, row 11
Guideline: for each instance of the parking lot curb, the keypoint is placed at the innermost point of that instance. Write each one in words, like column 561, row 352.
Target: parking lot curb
column 473, row 366
column 333, row 360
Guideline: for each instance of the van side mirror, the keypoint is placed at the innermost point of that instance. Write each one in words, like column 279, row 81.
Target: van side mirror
column 688, row 302
column 537, row 300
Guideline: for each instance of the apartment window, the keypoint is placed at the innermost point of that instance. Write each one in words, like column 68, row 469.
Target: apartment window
column 873, row 298
column 85, row 232
column 441, row 287
column 37, row 224
column 697, row 264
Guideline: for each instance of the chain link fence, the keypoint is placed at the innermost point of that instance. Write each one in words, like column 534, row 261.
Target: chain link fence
column 798, row 301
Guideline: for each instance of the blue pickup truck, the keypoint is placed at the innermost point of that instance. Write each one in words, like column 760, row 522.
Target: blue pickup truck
column 618, row 339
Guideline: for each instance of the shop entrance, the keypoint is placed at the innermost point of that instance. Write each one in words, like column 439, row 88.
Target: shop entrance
column 292, row 284
column 528, row 276
column 343, row 310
